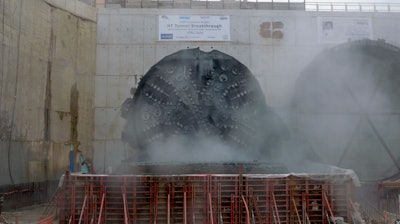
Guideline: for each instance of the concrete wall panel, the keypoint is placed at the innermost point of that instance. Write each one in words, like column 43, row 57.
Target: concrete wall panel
column 86, row 33
column 71, row 5
column 60, row 125
column 84, row 81
column 305, row 35
column 18, row 159
column 58, row 159
column 4, row 172
column 102, row 60
column 107, row 155
column 387, row 29
column 114, row 151
column 36, row 162
column 240, row 31
column 100, row 124
column 149, row 58
column 12, row 12
column 65, row 30
column 2, row 8
column 114, row 124
column 126, row 83
column 163, row 50
column 150, row 24
column 114, row 58
column 123, row 29
column 102, row 30
column 242, row 53
column 113, row 92
column 100, row 91
column 131, row 61
column 262, row 60
column 75, row 7
column 113, row 29
column 62, row 82
column 275, row 45
column 60, row 3
column 134, row 26
column 99, row 156
column 46, row 49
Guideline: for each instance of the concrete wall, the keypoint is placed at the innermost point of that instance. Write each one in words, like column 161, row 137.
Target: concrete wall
column 127, row 46
column 47, row 65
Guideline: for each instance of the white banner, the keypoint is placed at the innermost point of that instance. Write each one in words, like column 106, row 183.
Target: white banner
column 193, row 28
column 339, row 30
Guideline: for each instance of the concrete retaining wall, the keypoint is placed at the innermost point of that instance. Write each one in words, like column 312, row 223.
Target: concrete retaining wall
column 47, row 70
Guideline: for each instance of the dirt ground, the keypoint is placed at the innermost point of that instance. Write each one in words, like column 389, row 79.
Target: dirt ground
column 26, row 215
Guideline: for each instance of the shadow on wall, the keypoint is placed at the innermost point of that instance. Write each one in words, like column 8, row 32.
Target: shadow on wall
column 346, row 109
column 13, row 157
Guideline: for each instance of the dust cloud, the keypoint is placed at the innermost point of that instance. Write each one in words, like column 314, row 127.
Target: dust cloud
column 343, row 112
column 344, row 109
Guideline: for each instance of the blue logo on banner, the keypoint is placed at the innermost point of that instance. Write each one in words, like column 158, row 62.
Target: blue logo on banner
column 184, row 17
column 167, row 36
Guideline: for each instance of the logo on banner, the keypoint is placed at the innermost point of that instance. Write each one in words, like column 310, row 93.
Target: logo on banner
column 167, row 36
